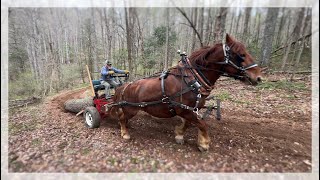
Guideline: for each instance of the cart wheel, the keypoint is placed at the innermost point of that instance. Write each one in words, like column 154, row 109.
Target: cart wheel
column 91, row 117
column 218, row 110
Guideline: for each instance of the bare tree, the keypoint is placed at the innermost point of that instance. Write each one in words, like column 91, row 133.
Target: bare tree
column 42, row 41
column 167, row 40
column 129, row 36
column 304, row 30
column 219, row 29
column 293, row 37
column 280, row 29
column 268, row 35
column 246, row 24
column 191, row 23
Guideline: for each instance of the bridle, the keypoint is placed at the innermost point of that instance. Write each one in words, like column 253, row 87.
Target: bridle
column 239, row 59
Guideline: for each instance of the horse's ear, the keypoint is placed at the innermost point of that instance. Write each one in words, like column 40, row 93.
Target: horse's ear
column 229, row 39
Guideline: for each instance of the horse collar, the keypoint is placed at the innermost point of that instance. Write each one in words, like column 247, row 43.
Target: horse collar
column 205, row 88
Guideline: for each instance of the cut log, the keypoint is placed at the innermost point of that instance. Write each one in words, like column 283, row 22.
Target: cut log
column 77, row 105
column 23, row 102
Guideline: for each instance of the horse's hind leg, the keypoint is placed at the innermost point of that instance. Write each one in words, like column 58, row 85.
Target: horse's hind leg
column 203, row 137
column 180, row 130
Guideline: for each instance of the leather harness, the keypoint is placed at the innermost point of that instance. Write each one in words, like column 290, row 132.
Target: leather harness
column 199, row 85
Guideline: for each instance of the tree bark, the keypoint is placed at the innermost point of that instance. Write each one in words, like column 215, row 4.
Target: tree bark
column 268, row 36
column 167, row 40
column 129, row 38
column 220, row 25
column 303, row 30
column 191, row 23
column 293, row 37
column 246, row 29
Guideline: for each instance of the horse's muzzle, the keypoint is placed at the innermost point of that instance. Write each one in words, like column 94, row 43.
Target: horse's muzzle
column 252, row 81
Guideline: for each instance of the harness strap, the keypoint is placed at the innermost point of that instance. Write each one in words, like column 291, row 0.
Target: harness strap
column 162, row 77
column 166, row 99
column 205, row 85
column 122, row 92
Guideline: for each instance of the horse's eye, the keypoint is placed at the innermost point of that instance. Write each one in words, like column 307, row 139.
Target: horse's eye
column 242, row 55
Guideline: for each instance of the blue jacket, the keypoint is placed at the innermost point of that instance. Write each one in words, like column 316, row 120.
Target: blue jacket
column 105, row 72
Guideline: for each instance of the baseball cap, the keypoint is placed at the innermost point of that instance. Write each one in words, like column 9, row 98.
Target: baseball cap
column 108, row 62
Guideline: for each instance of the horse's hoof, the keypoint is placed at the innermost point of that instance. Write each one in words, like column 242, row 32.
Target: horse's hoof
column 126, row 136
column 203, row 149
column 179, row 139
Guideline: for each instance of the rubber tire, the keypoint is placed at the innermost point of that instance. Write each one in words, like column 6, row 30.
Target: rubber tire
column 95, row 117
column 218, row 110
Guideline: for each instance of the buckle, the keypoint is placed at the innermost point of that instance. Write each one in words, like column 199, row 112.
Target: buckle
column 165, row 100
column 143, row 104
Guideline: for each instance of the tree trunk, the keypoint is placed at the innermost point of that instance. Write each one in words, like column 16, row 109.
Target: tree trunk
column 293, row 37
column 94, row 42
column 220, row 25
column 67, row 48
column 303, row 31
column 129, row 38
column 201, row 22
column 231, row 24
column 281, row 25
column 237, row 24
column 208, row 28
column 194, row 21
column 268, row 36
column 246, row 29
column 167, row 40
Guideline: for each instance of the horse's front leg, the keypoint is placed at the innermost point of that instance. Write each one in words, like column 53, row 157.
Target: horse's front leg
column 180, row 130
column 203, row 136
column 123, row 122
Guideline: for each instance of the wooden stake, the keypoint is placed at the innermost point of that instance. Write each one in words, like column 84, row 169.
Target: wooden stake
column 91, row 85
column 79, row 112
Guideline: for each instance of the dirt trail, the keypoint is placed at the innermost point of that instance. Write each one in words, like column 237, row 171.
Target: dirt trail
column 265, row 134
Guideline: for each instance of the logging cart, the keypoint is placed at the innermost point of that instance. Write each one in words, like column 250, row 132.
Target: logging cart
column 93, row 114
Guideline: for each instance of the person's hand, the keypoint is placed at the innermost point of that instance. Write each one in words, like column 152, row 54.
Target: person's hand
column 126, row 71
column 111, row 72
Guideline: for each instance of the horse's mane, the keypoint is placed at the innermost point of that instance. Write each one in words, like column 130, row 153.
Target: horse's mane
column 199, row 57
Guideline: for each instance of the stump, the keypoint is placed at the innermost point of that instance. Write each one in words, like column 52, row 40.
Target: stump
column 77, row 105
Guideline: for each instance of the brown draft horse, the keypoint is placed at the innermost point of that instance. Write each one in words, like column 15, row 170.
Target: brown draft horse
column 208, row 60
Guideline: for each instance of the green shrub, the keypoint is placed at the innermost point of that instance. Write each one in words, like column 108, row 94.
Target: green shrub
column 24, row 86
column 283, row 84
column 223, row 96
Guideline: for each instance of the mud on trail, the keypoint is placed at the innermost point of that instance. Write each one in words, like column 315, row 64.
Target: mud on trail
column 263, row 129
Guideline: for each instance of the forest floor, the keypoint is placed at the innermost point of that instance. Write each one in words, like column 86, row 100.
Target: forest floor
column 265, row 128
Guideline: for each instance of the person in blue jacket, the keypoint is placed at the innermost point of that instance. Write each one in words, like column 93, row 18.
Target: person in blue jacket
column 107, row 78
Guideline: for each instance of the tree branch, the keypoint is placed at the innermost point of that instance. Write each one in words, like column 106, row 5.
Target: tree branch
column 191, row 24
column 308, row 35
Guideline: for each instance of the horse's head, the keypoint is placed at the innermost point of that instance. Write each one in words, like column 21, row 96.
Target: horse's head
column 231, row 59
column 239, row 62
